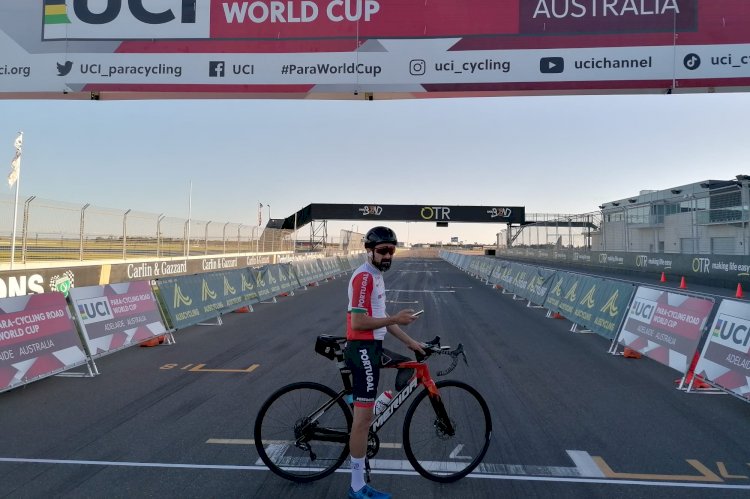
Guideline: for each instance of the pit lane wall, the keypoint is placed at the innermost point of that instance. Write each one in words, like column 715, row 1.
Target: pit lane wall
column 51, row 332
column 669, row 327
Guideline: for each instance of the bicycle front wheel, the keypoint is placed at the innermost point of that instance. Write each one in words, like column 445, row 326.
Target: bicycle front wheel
column 447, row 437
column 301, row 433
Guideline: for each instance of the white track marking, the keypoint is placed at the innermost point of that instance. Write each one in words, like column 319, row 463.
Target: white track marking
column 478, row 474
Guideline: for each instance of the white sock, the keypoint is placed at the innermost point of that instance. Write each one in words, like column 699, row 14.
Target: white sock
column 358, row 473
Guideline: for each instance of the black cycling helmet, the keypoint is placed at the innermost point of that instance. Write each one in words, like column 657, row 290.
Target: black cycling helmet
column 380, row 235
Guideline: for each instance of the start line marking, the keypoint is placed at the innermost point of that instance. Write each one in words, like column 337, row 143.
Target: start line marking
column 227, row 467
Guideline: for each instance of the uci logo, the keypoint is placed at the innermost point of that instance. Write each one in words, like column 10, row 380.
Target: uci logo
column 126, row 19
column 94, row 310
column 643, row 310
column 641, row 260
column 113, row 9
column 732, row 332
column 602, row 258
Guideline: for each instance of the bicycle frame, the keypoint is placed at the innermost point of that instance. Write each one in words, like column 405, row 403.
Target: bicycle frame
column 422, row 377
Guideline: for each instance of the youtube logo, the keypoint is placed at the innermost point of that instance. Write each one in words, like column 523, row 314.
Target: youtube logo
column 551, row 65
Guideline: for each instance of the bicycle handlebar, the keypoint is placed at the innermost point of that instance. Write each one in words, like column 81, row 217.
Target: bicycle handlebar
column 433, row 347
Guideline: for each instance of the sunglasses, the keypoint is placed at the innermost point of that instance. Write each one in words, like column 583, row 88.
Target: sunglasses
column 385, row 251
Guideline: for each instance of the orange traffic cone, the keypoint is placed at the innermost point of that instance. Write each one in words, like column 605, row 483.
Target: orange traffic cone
column 631, row 354
column 663, row 278
column 738, row 294
column 242, row 310
column 682, row 283
column 557, row 315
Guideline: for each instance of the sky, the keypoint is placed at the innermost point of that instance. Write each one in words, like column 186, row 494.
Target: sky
column 555, row 154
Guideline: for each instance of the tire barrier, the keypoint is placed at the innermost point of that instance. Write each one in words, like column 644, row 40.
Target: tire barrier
column 705, row 341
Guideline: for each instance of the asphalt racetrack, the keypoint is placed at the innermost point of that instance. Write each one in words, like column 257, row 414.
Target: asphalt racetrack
column 569, row 420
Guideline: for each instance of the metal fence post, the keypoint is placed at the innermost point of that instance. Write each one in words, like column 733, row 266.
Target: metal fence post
column 158, row 234
column 81, row 231
column 239, row 239
column 25, row 233
column 205, row 238
column 125, row 234
column 224, row 236
column 186, row 238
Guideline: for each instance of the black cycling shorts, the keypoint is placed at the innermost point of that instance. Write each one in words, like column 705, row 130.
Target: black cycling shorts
column 363, row 357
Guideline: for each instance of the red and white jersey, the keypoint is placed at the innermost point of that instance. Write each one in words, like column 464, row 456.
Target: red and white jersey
column 366, row 296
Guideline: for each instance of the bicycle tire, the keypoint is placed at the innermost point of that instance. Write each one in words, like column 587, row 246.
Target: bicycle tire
column 274, row 430
column 428, row 449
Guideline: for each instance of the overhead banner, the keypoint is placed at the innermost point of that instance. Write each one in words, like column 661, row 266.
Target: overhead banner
column 116, row 316
column 665, row 326
column 725, row 359
column 37, row 339
column 410, row 213
column 362, row 48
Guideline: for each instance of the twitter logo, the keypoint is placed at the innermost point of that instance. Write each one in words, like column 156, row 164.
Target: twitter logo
column 64, row 69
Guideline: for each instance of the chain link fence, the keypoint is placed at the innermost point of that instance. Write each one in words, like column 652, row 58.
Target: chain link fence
column 54, row 230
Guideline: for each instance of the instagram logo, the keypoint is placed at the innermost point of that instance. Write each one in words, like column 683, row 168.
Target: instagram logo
column 417, row 67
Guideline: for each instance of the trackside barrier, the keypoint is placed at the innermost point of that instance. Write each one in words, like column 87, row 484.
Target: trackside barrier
column 725, row 358
column 196, row 298
column 266, row 284
column 665, row 326
column 117, row 316
column 38, row 338
column 598, row 305
column 303, row 270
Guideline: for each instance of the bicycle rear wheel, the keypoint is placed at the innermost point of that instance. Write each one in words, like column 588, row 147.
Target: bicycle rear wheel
column 301, row 434
column 447, row 452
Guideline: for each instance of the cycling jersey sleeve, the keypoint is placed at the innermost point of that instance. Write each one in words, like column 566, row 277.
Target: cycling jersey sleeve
column 361, row 298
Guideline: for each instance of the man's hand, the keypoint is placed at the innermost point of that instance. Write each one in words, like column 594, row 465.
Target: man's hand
column 415, row 346
column 404, row 317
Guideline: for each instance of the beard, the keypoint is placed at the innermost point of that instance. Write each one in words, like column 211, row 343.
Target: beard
column 383, row 266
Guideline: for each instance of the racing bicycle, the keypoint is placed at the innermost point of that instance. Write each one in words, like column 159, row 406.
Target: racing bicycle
column 302, row 431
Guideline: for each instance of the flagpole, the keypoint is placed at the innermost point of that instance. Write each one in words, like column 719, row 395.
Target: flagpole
column 17, row 168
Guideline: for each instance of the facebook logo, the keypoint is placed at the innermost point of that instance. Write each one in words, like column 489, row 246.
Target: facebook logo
column 216, row 69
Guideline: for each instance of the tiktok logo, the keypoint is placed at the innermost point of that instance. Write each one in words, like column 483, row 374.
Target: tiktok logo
column 692, row 61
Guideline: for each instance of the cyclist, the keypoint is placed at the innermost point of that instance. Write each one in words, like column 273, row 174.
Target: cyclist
column 367, row 323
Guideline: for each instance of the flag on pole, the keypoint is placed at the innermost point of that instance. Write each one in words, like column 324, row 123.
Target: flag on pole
column 260, row 214
column 15, row 164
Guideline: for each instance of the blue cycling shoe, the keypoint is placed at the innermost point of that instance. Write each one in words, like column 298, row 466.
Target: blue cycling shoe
column 368, row 492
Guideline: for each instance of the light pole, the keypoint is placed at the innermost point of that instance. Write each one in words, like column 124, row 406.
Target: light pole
column 269, row 212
